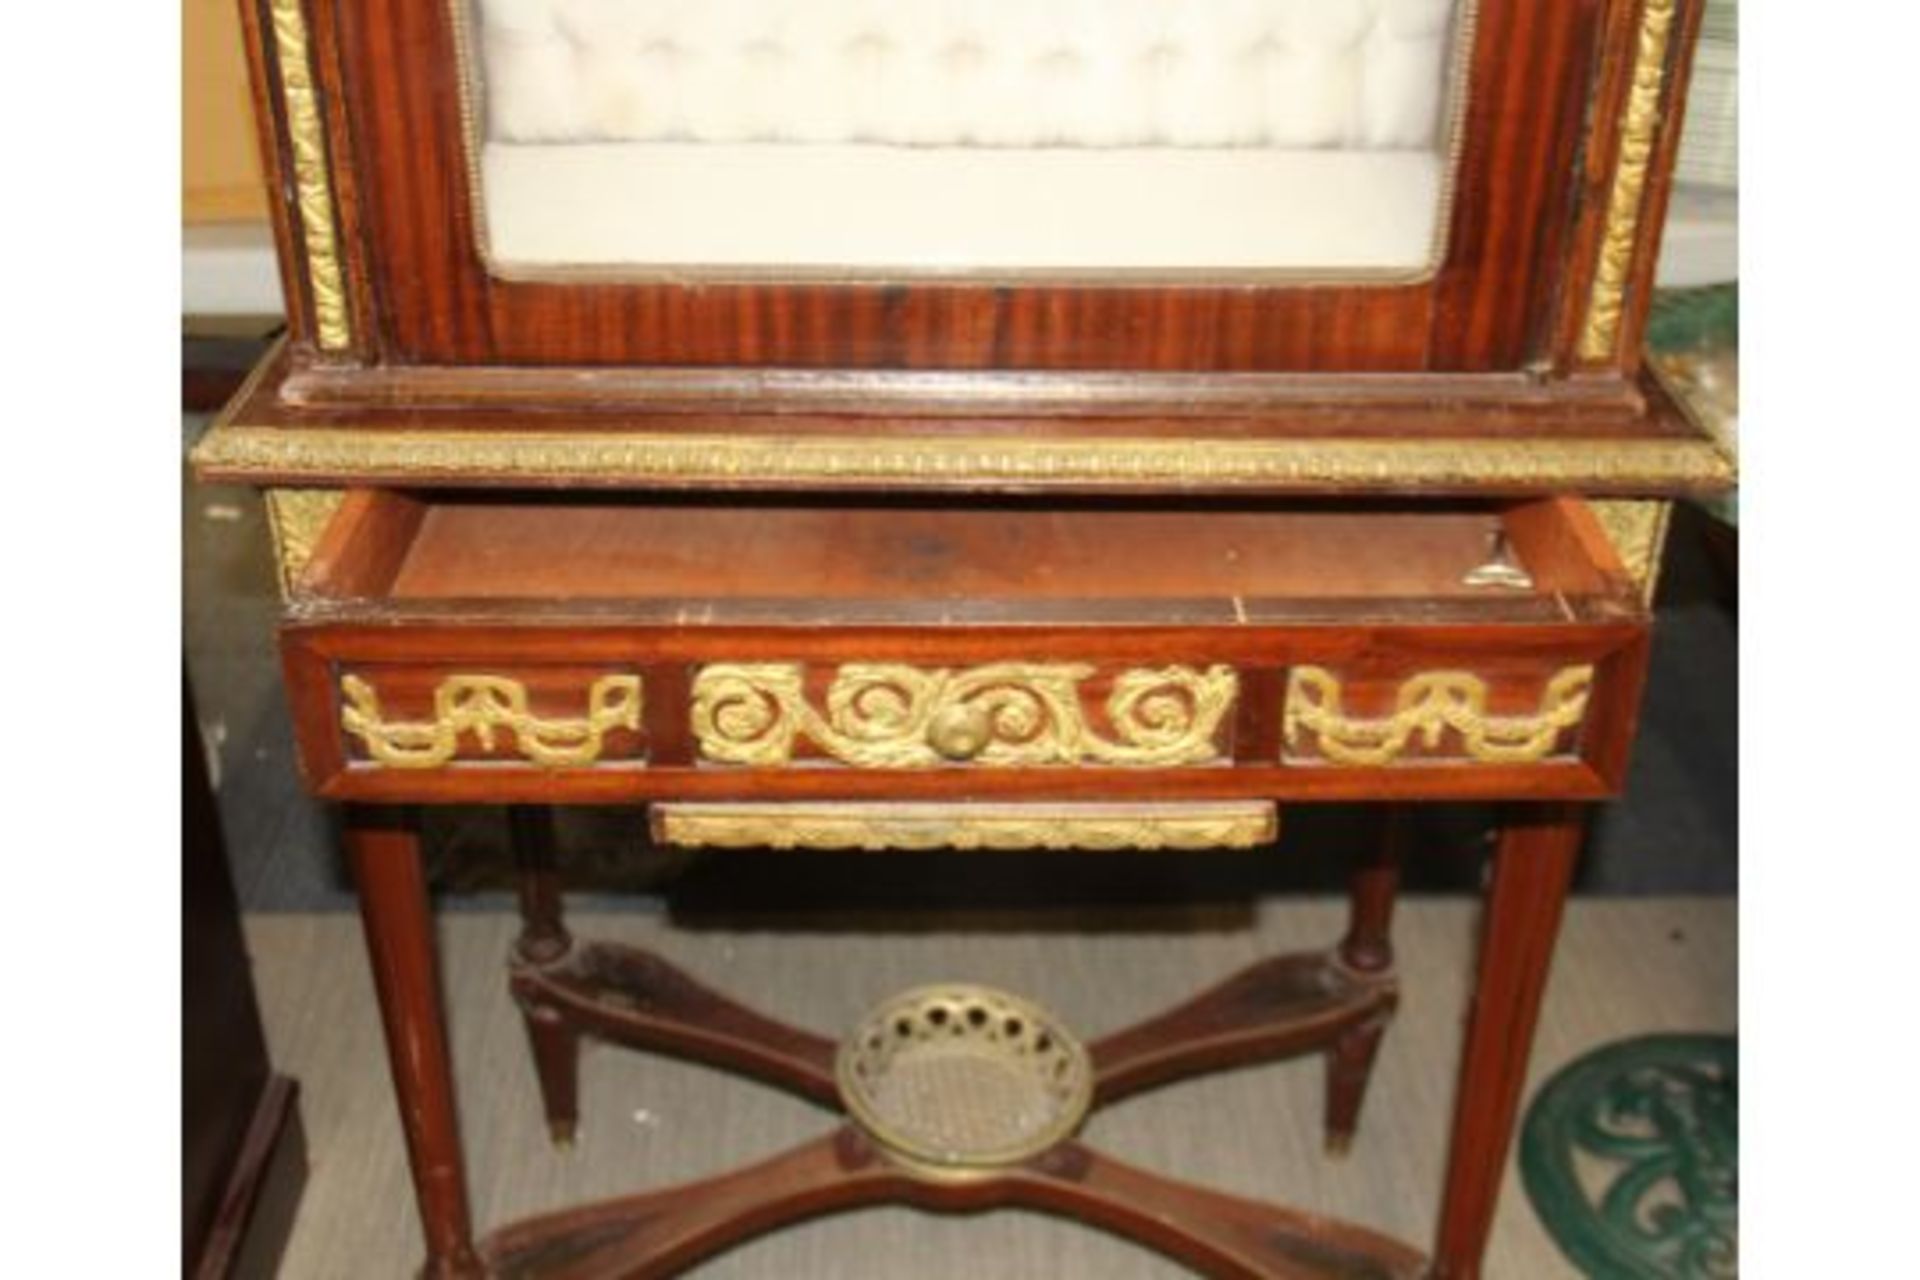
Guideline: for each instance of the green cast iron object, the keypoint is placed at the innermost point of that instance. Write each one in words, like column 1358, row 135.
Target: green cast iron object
column 1630, row 1156
column 1694, row 319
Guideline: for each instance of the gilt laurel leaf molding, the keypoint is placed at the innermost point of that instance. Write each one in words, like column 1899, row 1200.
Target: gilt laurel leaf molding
column 1427, row 706
column 312, row 181
column 483, row 705
column 292, row 455
column 892, row 716
column 1639, row 127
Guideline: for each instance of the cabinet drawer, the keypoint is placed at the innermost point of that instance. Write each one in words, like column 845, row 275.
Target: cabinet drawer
column 994, row 715
column 514, row 647
column 430, row 716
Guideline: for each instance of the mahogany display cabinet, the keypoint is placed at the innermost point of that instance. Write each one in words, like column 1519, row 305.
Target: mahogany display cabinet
column 1006, row 425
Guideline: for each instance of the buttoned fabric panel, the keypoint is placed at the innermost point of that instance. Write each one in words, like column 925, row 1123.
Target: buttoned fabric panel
column 1352, row 74
column 860, row 206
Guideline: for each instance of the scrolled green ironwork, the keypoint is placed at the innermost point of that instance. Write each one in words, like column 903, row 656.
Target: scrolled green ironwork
column 1630, row 1156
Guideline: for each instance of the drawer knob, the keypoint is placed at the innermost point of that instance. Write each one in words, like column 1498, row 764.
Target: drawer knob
column 959, row 732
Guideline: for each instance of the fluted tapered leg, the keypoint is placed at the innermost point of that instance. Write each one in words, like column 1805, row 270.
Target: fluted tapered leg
column 385, row 852
column 1532, row 868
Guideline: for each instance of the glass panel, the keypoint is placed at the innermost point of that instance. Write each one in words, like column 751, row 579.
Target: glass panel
column 1052, row 137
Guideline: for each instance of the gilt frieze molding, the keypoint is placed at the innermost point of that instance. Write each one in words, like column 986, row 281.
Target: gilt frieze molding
column 1010, row 714
column 880, row 827
column 484, row 706
column 1427, row 709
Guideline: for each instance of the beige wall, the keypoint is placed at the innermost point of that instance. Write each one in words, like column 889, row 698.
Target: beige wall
column 220, row 160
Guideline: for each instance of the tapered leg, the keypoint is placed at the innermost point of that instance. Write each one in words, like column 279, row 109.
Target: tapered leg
column 544, row 941
column 1349, row 1069
column 1367, row 950
column 1531, row 870
column 556, row 1061
column 543, row 934
column 385, row 852
column 1368, row 946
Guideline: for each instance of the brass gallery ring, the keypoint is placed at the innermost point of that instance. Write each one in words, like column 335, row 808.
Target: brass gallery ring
column 960, row 1077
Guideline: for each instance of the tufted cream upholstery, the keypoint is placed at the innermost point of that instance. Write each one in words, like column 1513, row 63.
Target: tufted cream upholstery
column 1013, row 73
column 1034, row 135
column 767, row 204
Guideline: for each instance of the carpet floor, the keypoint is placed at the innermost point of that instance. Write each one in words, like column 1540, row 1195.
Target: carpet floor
column 1624, row 967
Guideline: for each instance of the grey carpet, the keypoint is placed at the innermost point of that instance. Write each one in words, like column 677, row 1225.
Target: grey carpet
column 1624, row 967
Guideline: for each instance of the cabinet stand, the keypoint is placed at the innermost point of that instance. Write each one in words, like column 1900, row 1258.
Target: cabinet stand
column 1336, row 1002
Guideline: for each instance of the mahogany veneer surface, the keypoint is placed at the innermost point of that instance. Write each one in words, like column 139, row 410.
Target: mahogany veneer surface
column 493, row 551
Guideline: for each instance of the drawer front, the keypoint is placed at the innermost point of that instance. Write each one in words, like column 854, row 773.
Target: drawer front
column 496, row 649
column 600, row 713
column 396, row 716
column 1001, row 715
column 1493, row 713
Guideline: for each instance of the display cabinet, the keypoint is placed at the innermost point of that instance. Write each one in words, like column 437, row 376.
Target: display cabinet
column 991, row 425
